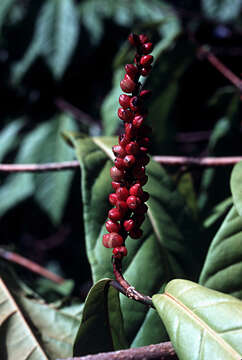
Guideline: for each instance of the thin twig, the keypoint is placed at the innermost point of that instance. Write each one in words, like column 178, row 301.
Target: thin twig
column 163, row 351
column 127, row 289
column 164, row 160
column 223, row 69
column 30, row 265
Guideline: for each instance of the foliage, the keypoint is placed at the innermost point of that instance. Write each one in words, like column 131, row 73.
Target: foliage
column 61, row 62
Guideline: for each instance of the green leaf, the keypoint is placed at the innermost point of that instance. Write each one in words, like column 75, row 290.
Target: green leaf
column 55, row 38
column 9, row 137
column 236, row 187
column 5, row 6
column 32, row 329
column 218, row 212
column 222, row 10
column 101, row 328
column 223, row 265
column 167, row 247
column 202, row 323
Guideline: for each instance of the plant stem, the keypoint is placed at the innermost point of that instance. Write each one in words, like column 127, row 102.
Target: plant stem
column 30, row 265
column 163, row 160
column 163, row 351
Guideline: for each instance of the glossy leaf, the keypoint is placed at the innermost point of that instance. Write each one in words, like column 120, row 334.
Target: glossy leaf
column 202, row 323
column 55, row 38
column 30, row 329
column 223, row 265
column 101, row 327
column 236, row 187
column 168, row 237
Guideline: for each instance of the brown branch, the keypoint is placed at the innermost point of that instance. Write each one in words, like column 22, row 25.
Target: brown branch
column 163, row 351
column 127, row 289
column 227, row 73
column 30, row 265
column 164, row 160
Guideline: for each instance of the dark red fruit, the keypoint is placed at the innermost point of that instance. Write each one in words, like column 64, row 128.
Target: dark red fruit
column 145, row 94
column 134, row 39
column 129, row 225
column 138, row 172
column 145, row 196
column 142, row 209
column 136, row 190
column 119, row 151
column 112, row 198
column 125, row 114
column 116, row 174
column 145, row 141
column 119, row 252
column 127, row 84
column 123, row 141
column 132, row 148
column 119, row 163
column 146, row 70
column 134, row 103
column 115, row 185
column 146, row 60
column 138, row 219
column 133, row 202
column 122, row 193
column 143, row 160
column 143, row 38
column 122, row 206
column 131, row 70
column 138, row 121
column 112, row 240
column 124, row 100
column 129, row 130
column 112, row 226
column 136, row 233
column 115, row 214
column 129, row 161
column 143, row 181
column 147, row 48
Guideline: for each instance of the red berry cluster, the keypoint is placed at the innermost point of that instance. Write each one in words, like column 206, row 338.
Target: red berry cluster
column 128, row 172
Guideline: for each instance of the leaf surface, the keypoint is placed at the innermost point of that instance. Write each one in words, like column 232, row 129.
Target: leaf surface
column 101, row 327
column 236, row 186
column 202, row 323
column 223, row 265
column 163, row 250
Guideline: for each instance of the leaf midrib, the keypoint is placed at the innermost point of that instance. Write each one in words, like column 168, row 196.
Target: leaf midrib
column 203, row 325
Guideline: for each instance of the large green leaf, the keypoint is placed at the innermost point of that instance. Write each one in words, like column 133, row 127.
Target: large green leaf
column 55, row 38
column 202, row 323
column 167, row 247
column 236, row 187
column 9, row 137
column 42, row 145
column 102, row 324
column 223, row 265
column 30, row 329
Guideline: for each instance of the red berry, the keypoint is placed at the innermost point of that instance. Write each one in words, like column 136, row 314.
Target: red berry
column 141, row 209
column 136, row 190
column 122, row 206
column 119, row 163
column 134, row 103
column 136, row 233
column 123, row 141
column 119, row 252
column 137, row 59
column 116, row 174
column 138, row 172
column 144, row 141
column 143, row 149
column 119, row 151
column 133, row 39
column 145, row 94
column 147, row 48
column 138, row 219
column 143, row 160
column 129, row 130
column 132, row 148
column 122, row 193
column 146, row 60
column 127, row 84
column 113, row 198
column 112, row 226
column 124, row 100
column 125, row 115
column 138, row 121
column 133, row 202
column 115, row 214
column 146, row 70
column 112, row 240
column 143, row 181
column 131, row 70
column 129, row 225
column 129, row 161
column 143, row 38
column 115, row 185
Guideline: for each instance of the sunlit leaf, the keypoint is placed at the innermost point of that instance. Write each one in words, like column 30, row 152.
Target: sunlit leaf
column 202, row 323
